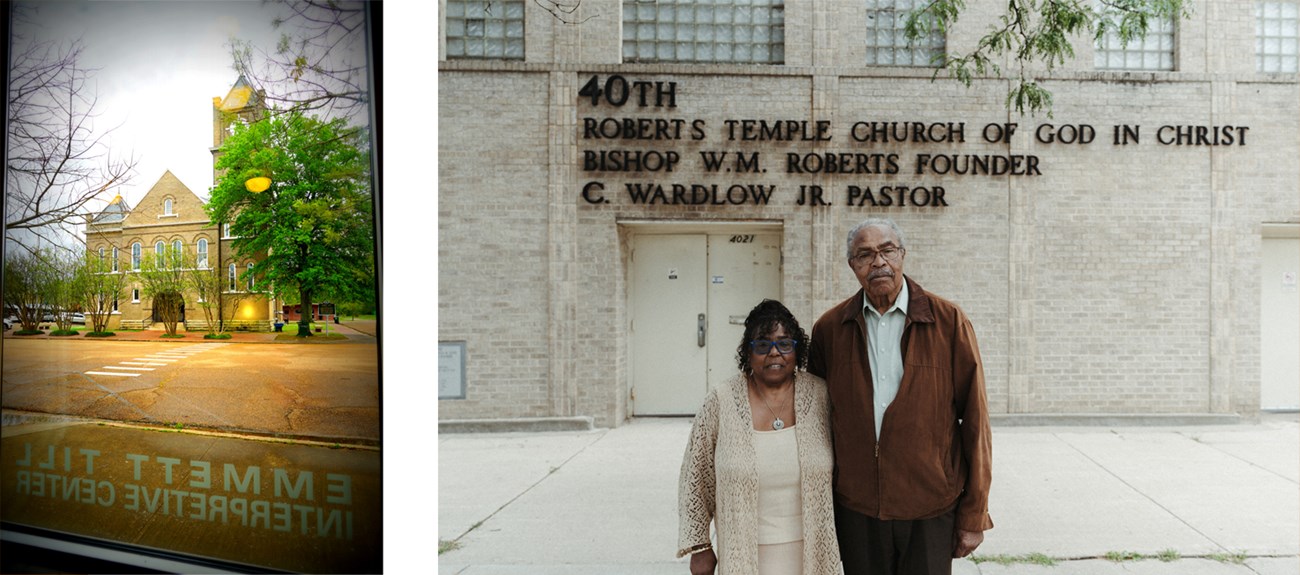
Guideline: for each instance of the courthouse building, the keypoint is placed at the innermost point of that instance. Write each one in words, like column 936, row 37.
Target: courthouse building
column 619, row 185
column 171, row 216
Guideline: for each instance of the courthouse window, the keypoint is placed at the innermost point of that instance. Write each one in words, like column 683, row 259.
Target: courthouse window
column 887, row 43
column 203, row 254
column 485, row 29
column 135, row 256
column 1276, row 37
column 1155, row 51
column 738, row 31
column 114, row 259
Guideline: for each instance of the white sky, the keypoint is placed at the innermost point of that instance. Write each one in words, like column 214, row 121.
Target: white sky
column 159, row 64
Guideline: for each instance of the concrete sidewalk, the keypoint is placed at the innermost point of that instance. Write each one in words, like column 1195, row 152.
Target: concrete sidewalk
column 356, row 331
column 1213, row 500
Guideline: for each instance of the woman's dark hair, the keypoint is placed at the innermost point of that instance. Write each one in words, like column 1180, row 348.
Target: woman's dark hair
column 764, row 319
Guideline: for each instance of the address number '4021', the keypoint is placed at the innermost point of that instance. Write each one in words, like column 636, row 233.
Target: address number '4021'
column 742, row 239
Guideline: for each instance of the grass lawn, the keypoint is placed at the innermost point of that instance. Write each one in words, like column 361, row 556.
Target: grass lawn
column 290, row 332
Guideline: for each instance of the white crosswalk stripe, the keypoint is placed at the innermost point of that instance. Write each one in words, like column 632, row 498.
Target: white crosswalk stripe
column 159, row 359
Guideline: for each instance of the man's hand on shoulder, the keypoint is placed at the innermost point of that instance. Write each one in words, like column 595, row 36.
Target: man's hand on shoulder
column 966, row 542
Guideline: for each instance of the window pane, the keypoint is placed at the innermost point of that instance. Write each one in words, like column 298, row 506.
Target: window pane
column 485, row 29
column 703, row 31
column 1155, row 51
column 887, row 44
column 1277, row 36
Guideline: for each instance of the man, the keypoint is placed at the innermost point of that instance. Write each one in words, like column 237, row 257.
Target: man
column 909, row 417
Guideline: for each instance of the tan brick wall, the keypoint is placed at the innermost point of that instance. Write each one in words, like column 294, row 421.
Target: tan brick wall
column 1122, row 279
column 148, row 223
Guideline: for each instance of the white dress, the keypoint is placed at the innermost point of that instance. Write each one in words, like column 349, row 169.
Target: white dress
column 780, row 506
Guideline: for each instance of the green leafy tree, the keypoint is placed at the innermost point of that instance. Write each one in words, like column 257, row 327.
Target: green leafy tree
column 1038, row 36
column 314, row 228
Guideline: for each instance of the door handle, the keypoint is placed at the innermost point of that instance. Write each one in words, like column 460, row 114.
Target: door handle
column 700, row 330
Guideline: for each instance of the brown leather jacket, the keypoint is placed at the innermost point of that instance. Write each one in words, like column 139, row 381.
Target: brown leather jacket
column 935, row 445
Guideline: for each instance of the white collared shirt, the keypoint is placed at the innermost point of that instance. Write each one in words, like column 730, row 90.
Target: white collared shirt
column 885, row 351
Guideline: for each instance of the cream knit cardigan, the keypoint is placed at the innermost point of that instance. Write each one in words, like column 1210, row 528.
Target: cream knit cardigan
column 719, row 480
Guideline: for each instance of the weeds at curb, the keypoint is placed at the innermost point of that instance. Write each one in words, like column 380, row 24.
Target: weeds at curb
column 444, row 546
column 1234, row 558
column 1121, row 556
column 1008, row 560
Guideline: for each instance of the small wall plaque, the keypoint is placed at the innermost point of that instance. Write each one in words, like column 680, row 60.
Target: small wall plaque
column 451, row 370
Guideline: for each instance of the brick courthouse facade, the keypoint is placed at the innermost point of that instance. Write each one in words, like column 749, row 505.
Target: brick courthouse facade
column 606, row 213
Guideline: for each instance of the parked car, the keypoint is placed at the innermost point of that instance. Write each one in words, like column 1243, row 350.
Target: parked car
column 47, row 317
column 79, row 318
column 8, row 324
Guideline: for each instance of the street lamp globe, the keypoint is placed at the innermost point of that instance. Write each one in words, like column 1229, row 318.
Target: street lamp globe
column 258, row 184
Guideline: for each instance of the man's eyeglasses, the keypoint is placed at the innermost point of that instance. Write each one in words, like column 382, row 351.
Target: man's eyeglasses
column 764, row 346
column 864, row 257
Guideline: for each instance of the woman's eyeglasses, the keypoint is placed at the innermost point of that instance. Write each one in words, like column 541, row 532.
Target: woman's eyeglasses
column 764, row 346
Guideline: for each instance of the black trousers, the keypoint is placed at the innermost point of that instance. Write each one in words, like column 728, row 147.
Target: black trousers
column 870, row 546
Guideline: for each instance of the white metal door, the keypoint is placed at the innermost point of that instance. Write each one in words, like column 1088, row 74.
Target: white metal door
column 744, row 269
column 1280, row 325
column 690, row 295
column 669, row 305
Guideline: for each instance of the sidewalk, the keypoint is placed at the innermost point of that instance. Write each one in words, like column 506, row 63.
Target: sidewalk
column 1216, row 500
column 357, row 331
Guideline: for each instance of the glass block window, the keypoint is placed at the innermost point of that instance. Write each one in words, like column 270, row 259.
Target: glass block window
column 1276, row 37
column 886, row 41
column 485, row 29
column 734, row 31
column 1153, row 52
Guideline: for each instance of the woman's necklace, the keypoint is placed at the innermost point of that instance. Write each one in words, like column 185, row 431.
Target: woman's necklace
column 777, row 423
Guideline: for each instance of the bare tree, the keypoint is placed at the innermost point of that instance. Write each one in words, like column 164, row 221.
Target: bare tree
column 218, row 301
column 58, row 162
column 319, row 63
column 65, row 289
column 29, row 285
column 163, row 278
column 100, row 287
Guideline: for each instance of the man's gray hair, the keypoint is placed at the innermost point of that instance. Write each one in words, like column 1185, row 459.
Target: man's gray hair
column 869, row 222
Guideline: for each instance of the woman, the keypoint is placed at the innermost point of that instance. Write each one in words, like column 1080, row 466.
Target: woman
column 759, row 462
